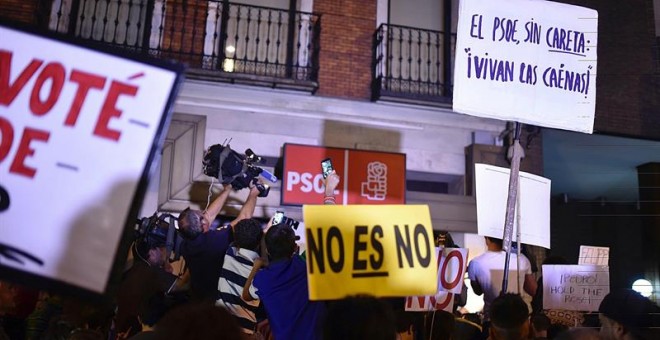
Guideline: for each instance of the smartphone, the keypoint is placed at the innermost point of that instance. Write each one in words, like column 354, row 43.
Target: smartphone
column 326, row 166
column 277, row 218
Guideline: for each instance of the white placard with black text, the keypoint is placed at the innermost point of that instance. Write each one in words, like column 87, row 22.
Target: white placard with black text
column 528, row 61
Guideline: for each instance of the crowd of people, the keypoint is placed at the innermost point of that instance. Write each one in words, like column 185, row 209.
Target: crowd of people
column 246, row 281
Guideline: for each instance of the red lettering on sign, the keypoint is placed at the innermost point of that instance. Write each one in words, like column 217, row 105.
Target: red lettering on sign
column 443, row 280
column 18, row 165
column 8, row 92
column 6, row 137
column 86, row 81
column 55, row 73
column 444, row 304
column 109, row 109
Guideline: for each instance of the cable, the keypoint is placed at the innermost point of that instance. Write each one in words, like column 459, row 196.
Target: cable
column 208, row 197
column 138, row 254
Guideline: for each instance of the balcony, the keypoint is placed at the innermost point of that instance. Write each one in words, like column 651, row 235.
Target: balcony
column 218, row 40
column 412, row 65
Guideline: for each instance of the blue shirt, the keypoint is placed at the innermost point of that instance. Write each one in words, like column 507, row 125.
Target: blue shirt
column 282, row 288
column 204, row 257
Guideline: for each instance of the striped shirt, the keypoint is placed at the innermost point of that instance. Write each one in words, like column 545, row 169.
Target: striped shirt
column 237, row 266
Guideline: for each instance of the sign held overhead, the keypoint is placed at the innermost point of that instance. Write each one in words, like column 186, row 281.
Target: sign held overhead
column 532, row 62
column 382, row 250
column 79, row 130
column 491, row 190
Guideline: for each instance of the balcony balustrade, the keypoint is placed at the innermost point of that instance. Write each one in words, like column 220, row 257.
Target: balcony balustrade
column 218, row 40
column 412, row 65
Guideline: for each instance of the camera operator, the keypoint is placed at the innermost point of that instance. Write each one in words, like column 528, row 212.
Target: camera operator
column 203, row 249
column 142, row 293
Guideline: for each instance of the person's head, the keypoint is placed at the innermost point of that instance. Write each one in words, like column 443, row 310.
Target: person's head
column 153, row 255
column 625, row 314
column 248, row 233
column 360, row 317
column 280, row 242
column 406, row 324
column 443, row 239
column 494, row 244
column 192, row 223
column 198, row 321
column 555, row 260
column 540, row 325
column 509, row 318
column 439, row 325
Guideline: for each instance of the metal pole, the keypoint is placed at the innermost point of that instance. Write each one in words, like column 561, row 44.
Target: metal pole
column 516, row 156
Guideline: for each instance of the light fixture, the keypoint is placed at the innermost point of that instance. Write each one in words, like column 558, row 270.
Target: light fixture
column 643, row 287
column 228, row 65
column 230, row 49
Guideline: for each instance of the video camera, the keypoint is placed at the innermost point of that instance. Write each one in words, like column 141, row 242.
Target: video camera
column 157, row 231
column 230, row 167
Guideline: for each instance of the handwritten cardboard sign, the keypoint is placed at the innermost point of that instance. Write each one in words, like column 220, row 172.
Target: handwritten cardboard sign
column 594, row 255
column 527, row 61
column 575, row 287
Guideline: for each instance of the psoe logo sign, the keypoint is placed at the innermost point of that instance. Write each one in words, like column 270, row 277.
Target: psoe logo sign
column 375, row 188
column 381, row 250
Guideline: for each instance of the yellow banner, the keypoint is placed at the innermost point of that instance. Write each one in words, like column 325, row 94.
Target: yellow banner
column 381, row 250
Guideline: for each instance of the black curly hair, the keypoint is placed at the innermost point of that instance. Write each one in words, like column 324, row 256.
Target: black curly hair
column 247, row 234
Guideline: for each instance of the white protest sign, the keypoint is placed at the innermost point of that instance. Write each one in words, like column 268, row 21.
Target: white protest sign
column 79, row 130
column 575, row 287
column 452, row 264
column 594, row 255
column 528, row 61
column 492, row 188
column 443, row 300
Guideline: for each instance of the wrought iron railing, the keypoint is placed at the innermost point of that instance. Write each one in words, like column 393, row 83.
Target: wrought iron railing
column 412, row 64
column 215, row 38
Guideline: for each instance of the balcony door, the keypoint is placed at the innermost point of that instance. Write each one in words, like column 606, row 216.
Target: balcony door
column 258, row 37
column 126, row 23
column 418, row 44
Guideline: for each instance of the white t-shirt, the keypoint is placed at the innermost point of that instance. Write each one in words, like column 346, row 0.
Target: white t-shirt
column 488, row 270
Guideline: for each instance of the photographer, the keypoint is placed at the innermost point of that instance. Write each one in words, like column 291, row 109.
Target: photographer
column 204, row 249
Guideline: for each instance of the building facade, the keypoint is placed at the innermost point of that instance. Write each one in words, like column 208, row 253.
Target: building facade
column 358, row 74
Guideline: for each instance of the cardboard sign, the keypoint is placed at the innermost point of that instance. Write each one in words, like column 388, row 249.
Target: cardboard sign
column 381, row 250
column 598, row 256
column 366, row 177
column 528, row 61
column 79, row 131
column 452, row 263
column 575, row 287
column 492, row 190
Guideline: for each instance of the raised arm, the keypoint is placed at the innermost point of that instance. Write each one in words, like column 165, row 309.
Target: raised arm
column 247, row 210
column 330, row 184
column 218, row 202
